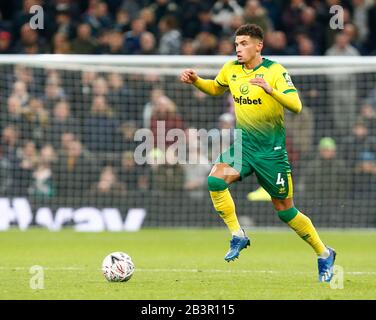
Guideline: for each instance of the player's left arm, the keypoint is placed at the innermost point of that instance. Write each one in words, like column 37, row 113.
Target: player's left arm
column 283, row 90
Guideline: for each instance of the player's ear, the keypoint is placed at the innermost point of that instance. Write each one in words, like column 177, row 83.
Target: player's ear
column 259, row 46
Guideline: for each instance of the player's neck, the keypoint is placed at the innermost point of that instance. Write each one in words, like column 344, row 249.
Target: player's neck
column 253, row 63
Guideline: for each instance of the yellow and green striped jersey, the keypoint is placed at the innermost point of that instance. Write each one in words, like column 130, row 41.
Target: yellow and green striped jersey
column 259, row 116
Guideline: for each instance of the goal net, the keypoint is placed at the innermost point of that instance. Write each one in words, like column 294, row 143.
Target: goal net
column 122, row 132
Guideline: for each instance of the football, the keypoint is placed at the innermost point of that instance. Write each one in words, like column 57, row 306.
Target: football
column 118, row 267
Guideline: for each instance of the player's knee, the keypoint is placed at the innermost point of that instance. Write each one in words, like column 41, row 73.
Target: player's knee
column 283, row 204
column 216, row 184
column 287, row 215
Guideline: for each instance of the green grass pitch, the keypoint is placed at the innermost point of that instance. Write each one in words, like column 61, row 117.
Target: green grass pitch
column 184, row 264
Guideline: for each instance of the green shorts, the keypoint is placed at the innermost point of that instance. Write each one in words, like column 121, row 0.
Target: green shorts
column 273, row 170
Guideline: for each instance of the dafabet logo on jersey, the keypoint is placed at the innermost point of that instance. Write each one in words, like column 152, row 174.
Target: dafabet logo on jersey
column 246, row 100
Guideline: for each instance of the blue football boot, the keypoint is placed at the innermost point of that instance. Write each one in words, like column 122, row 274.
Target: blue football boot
column 325, row 266
column 236, row 245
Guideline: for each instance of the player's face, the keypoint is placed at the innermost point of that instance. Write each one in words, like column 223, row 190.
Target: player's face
column 247, row 48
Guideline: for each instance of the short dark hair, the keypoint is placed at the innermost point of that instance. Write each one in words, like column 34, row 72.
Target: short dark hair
column 171, row 21
column 252, row 30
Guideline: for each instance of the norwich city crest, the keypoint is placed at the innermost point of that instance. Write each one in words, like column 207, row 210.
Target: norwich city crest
column 244, row 88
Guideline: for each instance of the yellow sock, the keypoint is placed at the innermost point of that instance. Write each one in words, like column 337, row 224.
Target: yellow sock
column 223, row 203
column 225, row 207
column 303, row 226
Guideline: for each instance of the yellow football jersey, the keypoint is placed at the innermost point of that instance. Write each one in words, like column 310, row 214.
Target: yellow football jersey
column 259, row 116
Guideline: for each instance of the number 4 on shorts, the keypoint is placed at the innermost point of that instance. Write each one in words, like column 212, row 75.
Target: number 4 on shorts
column 280, row 180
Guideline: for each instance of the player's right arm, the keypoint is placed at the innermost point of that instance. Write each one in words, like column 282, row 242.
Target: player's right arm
column 208, row 86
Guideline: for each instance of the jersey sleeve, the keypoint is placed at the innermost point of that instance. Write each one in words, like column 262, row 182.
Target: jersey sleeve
column 283, row 82
column 221, row 77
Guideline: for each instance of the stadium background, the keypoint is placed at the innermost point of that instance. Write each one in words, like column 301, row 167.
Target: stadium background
column 67, row 135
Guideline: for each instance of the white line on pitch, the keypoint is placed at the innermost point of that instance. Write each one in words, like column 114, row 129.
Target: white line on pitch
column 355, row 273
column 208, row 270
column 246, row 271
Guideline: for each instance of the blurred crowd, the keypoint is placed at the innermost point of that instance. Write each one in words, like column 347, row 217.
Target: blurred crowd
column 72, row 134
column 189, row 27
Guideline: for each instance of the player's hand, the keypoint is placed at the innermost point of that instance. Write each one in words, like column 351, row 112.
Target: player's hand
column 188, row 76
column 261, row 83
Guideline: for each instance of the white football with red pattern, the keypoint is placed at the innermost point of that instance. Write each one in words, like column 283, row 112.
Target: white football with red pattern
column 118, row 267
